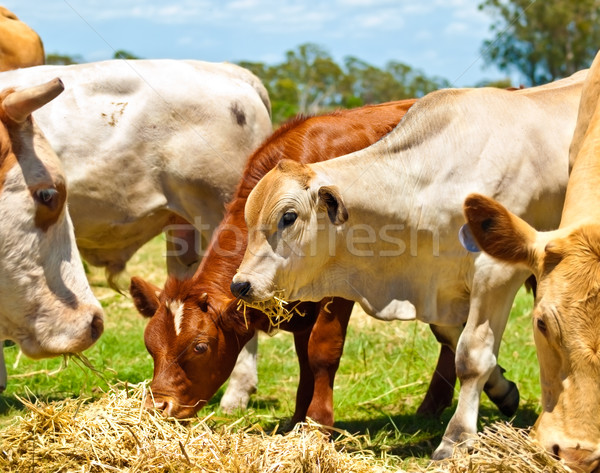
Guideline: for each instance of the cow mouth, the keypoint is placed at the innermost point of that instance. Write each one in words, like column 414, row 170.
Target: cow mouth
column 170, row 406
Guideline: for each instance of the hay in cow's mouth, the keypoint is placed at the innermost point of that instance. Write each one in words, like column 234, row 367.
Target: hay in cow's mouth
column 273, row 308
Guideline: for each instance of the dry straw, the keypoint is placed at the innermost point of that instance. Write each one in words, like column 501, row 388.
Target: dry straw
column 273, row 308
column 116, row 433
column 501, row 448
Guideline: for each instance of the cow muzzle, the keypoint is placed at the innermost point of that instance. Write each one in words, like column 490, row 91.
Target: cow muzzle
column 241, row 289
column 580, row 460
column 171, row 407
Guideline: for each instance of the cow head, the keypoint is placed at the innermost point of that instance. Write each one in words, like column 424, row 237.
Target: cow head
column 292, row 219
column 194, row 349
column 566, row 322
column 46, row 304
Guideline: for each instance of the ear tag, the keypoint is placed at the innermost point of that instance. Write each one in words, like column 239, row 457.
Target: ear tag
column 467, row 240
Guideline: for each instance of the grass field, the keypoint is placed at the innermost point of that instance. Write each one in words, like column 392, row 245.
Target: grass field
column 381, row 381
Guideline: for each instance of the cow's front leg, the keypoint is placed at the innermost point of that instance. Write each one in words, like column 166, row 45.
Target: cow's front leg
column 306, row 383
column 3, row 374
column 441, row 388
column 494, row 288
column 183, row 243
column 325, row 349
column 244, row 378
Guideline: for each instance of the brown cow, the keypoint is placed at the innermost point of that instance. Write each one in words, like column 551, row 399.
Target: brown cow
column 566, row 263
column 196, row 330
column 20, row 46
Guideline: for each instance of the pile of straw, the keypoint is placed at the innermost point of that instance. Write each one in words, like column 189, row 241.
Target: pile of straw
column 116, row 433
column 501, row 448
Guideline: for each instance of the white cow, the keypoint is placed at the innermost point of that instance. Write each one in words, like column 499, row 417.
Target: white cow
column 46, row 304
column 380, row 226
column 150, row 145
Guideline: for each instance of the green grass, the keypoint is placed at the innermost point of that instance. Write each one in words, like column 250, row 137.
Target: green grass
column 382, row 378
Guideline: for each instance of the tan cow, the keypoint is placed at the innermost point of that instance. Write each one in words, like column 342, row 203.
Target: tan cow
column 46, row 304
column 379, row 226
column 20, row 46
column 147, row 146
column 566, row 316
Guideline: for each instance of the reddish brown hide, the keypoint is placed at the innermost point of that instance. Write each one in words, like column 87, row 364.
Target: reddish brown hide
column 196, row 331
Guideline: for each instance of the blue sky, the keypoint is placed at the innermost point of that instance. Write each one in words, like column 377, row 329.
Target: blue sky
column 440, row 37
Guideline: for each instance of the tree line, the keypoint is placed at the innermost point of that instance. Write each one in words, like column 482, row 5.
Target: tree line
column 541, row 40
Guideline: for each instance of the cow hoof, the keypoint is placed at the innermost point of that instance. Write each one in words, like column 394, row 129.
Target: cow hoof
column 443, row 452
column 508, row 403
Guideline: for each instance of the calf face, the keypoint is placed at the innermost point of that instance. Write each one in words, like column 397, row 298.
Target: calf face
column 292, row 222
column 201, row 352
column 566, row 324
column 46, row 304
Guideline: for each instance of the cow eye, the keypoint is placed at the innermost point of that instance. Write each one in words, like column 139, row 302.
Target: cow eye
column 200, row 348
column 541, row 325
column 288, row 219
column 47, row 197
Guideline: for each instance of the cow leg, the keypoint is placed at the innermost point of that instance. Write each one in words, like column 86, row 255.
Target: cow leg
column 325, row 349
column 306, row 383
column 182, row 248
column 3, row 374
column 244, row 378
column 441, row 387
column 494, row 288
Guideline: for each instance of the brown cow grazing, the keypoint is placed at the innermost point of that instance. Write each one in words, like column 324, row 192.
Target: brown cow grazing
column 196, row 330
column 20, row 46
column 566, row 318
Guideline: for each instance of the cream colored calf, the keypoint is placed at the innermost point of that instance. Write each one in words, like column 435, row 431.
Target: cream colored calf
column 380, row 226
column 566, row 317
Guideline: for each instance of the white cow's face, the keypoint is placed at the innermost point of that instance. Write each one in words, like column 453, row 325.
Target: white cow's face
column 46, row 304
column 291, row 223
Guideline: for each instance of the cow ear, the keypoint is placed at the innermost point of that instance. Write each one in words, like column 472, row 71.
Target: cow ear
column 331, row 198
column 499, row 232
column 203, row 302
column 145, row 296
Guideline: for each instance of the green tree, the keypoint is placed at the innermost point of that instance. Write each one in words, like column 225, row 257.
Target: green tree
column 62, row 59
column 122, row 54
column 545, row 39
column 309, row 81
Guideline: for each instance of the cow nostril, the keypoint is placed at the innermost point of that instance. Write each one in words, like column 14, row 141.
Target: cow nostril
column 240, row 289
column 555, row 450
column 97, row 326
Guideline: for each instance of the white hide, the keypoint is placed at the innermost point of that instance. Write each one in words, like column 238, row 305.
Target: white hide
column 398, row 253
column 46, row 304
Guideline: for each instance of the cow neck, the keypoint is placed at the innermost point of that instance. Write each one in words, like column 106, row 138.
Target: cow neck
column 583, row 188
column 228, row 244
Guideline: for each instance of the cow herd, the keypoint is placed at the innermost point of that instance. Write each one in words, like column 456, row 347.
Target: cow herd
column 435, row 209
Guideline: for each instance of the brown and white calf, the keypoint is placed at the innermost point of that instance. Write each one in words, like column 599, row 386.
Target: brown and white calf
column 46, row 304
column 566, row 315
column 379, row 226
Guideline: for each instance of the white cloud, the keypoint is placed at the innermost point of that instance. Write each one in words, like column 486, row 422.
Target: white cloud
column 455, row 28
